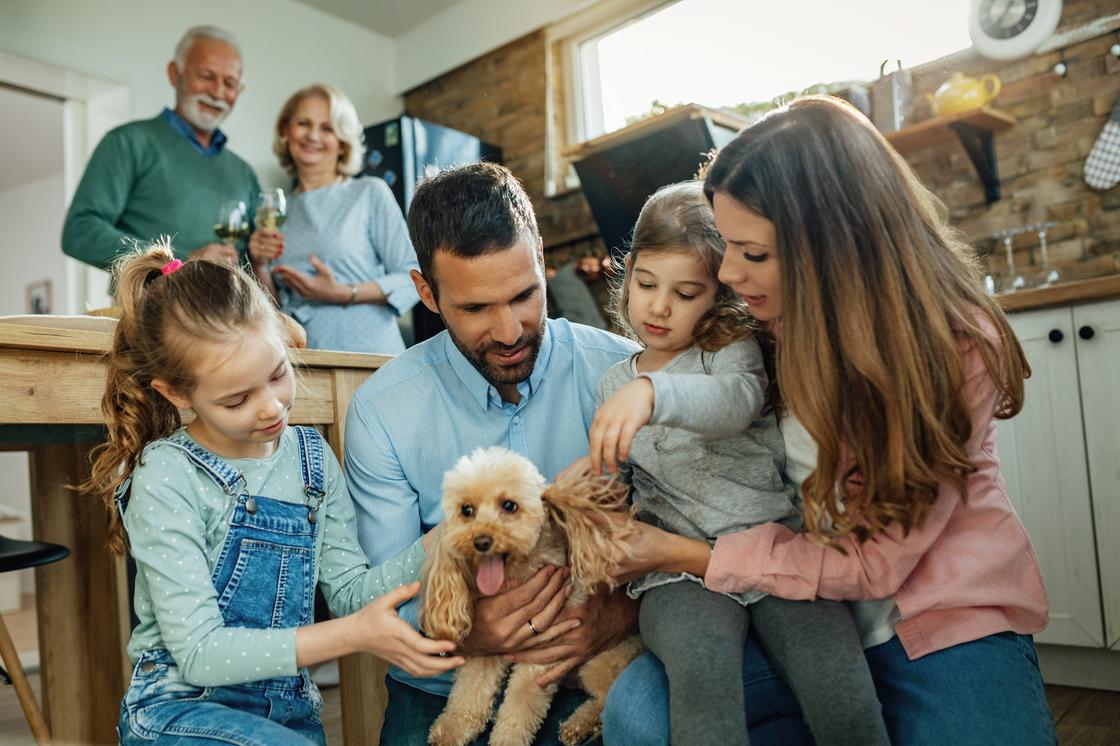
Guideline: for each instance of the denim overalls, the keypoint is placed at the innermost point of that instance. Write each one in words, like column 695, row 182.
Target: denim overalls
column 265, row 579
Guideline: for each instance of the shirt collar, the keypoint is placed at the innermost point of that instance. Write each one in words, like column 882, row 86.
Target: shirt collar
column 481, row 390
column 180, row 125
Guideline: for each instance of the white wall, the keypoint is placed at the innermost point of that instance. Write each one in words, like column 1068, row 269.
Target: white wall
column 470, row 29
column 285, row 44
column 31, row 216
column 15, row 498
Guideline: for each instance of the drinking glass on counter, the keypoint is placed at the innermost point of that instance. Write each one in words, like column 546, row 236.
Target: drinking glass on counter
column 1048, row 275
column 233, row 222
column 1012, row 281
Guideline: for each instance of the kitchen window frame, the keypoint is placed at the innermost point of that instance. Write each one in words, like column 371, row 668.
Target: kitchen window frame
column 574, row 108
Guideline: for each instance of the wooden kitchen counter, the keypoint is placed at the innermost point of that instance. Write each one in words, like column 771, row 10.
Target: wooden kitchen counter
column 1062, row 294
column 51, row 383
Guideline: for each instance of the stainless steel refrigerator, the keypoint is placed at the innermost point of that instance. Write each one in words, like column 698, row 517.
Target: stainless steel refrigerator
column 399, row 151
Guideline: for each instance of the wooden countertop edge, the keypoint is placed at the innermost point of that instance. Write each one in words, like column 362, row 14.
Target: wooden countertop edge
column 81, row 341
column 97, row 342
column 1077, row 291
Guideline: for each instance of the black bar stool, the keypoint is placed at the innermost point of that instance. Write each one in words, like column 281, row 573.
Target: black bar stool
column 20, row 555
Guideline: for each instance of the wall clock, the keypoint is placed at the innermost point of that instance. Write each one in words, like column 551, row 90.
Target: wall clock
column 1010, row 29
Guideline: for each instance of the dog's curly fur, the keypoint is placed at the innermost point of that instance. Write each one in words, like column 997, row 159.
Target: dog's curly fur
column 496, row 503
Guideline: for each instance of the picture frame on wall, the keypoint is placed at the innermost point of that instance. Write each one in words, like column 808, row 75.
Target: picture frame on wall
column 39, row 297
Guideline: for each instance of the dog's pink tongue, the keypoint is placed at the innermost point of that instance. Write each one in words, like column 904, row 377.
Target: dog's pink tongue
column 491, row 575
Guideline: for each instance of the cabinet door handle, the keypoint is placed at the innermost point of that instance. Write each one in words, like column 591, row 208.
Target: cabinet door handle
column 1056, row 336
column 1086, row 332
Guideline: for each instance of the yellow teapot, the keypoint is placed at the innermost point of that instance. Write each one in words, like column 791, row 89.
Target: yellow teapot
column 961, row 93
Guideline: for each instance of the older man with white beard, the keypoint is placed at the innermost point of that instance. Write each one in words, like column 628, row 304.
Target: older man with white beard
column 171, row 174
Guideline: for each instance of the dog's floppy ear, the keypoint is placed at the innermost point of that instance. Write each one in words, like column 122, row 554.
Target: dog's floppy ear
column 580, row 505
column 445, row 611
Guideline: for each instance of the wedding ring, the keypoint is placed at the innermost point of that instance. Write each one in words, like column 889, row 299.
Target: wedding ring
column 535, row 630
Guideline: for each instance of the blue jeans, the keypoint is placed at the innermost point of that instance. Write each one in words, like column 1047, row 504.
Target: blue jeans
column 411, row 712
column 160, row 707
column 988, row 691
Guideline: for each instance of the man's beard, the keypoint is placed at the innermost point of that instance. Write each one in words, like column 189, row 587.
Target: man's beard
column 200, row 120
column 498, row 375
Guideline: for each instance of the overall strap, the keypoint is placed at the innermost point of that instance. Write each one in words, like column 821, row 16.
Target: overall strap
column 120, row 497
column 223, row 475
column 311, row 461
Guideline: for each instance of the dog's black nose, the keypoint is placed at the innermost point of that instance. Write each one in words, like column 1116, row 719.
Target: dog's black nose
column 483, row 543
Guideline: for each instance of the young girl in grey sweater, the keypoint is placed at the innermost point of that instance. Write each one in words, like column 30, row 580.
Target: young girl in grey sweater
column 690, row 423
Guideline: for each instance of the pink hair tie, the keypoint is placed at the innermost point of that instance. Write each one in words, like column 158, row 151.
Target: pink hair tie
column 171, row 266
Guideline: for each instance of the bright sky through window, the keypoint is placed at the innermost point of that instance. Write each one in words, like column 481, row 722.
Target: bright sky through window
column 726, row 52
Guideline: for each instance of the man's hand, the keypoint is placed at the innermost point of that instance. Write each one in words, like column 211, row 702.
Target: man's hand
column 607, row 618
column 218, row 252
column 501, row 622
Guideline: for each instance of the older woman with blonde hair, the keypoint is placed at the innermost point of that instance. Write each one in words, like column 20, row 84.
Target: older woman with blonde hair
column 340, row 264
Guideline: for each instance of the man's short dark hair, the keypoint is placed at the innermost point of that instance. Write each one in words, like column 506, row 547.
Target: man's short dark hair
column 469, row 211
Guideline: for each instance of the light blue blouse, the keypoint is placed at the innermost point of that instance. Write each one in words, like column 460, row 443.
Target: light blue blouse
column 356, row 228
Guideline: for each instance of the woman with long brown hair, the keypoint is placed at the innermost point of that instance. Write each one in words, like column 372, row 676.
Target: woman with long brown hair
column 892, row 365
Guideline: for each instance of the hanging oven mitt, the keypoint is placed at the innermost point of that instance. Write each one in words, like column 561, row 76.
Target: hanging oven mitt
column 1102, row 167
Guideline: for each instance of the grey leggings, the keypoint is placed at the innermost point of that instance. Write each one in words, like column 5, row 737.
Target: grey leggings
column 699, row 637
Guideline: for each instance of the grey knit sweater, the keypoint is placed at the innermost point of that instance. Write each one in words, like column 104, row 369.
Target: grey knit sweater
column 711, row 460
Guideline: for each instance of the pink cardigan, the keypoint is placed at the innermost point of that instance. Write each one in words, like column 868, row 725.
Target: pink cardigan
column 968, row 572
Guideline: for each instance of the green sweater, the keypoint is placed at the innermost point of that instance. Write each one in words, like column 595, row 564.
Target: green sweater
column 145, row 180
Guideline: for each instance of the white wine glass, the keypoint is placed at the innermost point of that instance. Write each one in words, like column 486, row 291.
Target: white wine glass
column 233, row 222
column 272, row 209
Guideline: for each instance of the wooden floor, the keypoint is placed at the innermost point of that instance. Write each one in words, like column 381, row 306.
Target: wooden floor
column 1084, row 717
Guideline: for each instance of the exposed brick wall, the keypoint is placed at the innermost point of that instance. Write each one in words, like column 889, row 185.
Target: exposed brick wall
column 501, row 97
column 1041, row 156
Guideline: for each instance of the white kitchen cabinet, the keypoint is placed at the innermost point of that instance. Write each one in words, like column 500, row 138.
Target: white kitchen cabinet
column 1043, row 454
column 1098, row 360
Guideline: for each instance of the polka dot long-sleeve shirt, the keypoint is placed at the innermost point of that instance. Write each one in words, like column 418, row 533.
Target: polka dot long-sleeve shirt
column 177, row 520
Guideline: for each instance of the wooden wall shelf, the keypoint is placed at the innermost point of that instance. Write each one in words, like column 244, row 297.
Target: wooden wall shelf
column 974, row 129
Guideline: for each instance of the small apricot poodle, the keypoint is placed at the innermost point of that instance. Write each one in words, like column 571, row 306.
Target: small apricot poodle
column 502, row 521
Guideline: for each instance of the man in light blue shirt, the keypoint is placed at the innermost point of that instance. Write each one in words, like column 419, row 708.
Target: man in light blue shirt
column 501, row 374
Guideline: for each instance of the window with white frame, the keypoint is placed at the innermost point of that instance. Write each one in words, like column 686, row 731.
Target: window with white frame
column 732, row 53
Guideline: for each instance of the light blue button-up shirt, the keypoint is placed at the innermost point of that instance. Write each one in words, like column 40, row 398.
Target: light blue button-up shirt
column 413, row 419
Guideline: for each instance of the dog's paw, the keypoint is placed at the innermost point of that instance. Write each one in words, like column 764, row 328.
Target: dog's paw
column 573, row 734
column 452, row 729
column 509, row 738
column 582, row 724
column 514, row 731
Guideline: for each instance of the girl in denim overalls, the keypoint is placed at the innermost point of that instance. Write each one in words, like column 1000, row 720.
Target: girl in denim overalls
column 232, row 520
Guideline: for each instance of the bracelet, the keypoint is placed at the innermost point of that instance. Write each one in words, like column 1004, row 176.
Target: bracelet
column 353, row 295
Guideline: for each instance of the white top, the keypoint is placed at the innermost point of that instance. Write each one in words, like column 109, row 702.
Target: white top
column 875, row 620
